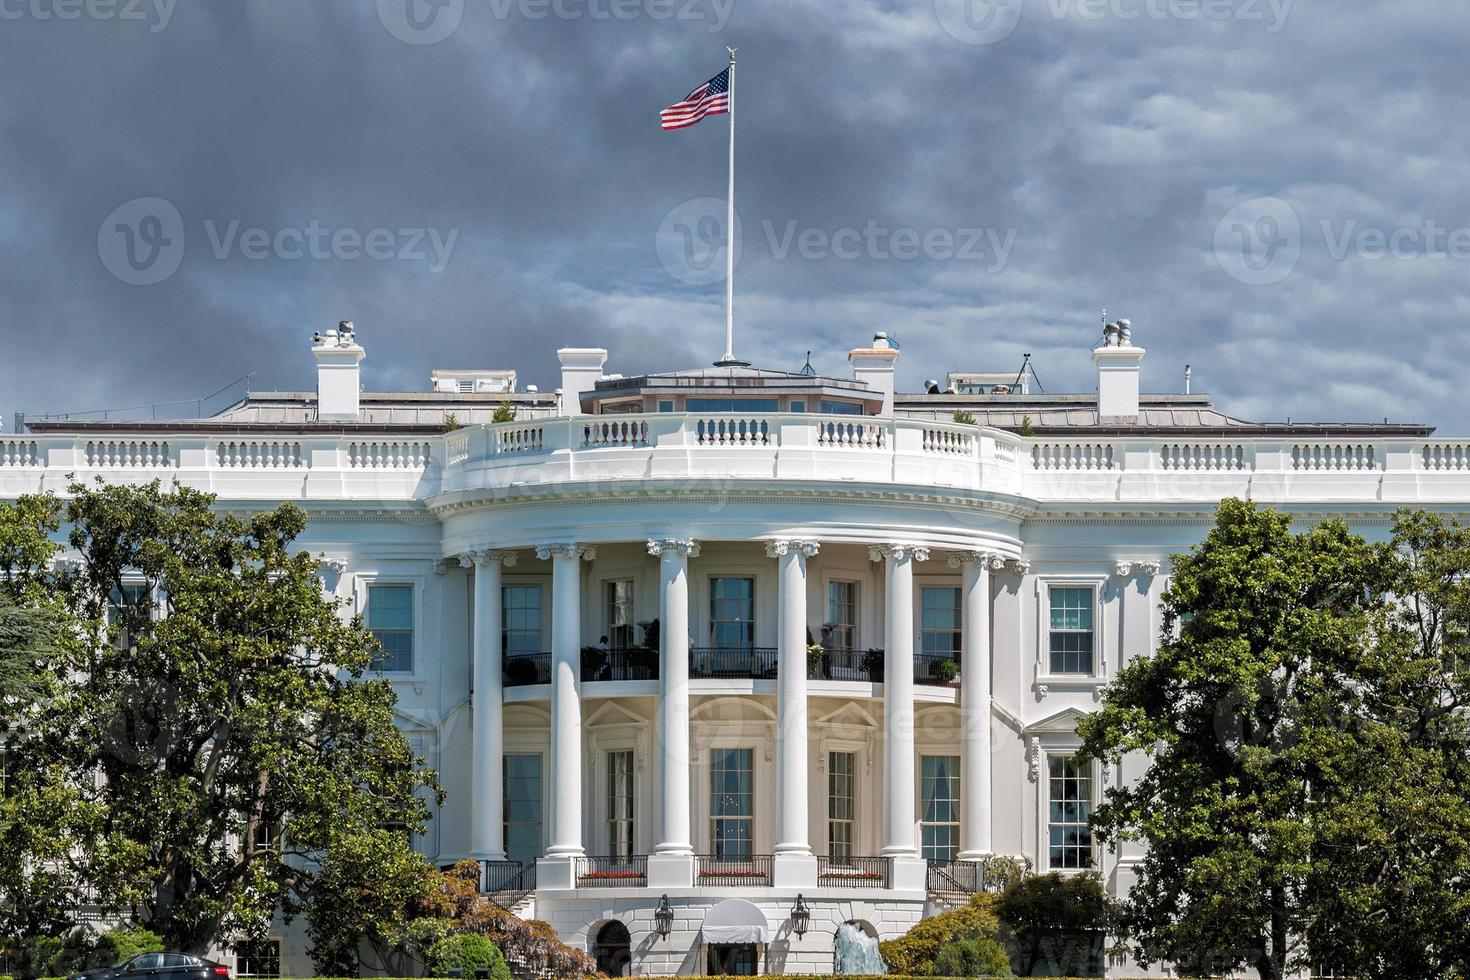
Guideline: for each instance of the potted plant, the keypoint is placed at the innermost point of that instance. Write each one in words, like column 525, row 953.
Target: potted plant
column 814, row 655
column 873, row 664
column 945, row 670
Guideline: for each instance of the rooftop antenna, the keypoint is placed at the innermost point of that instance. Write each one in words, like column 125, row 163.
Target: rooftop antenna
column 1025, row 365
column 1188, row 374
column 806, row 369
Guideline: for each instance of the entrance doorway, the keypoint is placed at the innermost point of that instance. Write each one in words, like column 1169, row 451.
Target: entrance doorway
column 732, row 960
column 613, row 949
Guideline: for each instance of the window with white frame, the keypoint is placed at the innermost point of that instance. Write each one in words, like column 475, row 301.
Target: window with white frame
column 618, row 595
column 1069, row 797
column 842, row 614
column 620, row 803
column 260, row 958
column 1070, row 628
column 939, row 630
column 522, row 778
column 939, row 790
column 732, row 803
column 520, row 610
column 841, row 803
column 732, row 613
column 390, row 618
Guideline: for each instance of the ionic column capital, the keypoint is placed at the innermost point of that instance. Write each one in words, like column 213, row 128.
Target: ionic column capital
column 778, row 547
column 566, row 550
column 898, row 552
column 1146, row 568
column 335, row 566
column 985, row 559
column 487, row 556
column 687, row 547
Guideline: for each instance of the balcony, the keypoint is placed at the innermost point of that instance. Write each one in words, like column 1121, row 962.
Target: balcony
column 711, row 871
column 866, row 666
column 853, row 872
column 634, row 664
column 524, row 669
column 739, row 663
column 612, row 872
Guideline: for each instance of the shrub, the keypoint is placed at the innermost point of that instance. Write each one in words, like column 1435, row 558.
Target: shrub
column 505, row 412
column 116, row 945
column 972, row 958
column 964, row 417
column 467, row 952
column 1057, row 920
column 914, row 953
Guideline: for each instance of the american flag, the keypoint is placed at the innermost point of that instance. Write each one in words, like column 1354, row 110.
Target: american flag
column 710, row 99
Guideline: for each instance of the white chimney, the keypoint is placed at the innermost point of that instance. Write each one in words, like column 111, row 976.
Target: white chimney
column 580, row 369
column 875, row 365
column 1117, row 363
column 338, row 386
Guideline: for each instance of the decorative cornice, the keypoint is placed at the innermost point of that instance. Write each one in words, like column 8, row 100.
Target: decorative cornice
column 781, row 546
column 1147, row 568
column 566, row 550
column 688, row 547
column 66, row 566
column 485, row 556
column 898, row 552
column 335, row 566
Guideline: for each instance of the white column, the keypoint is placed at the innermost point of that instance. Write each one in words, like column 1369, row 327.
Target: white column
column 566, row 704
column 900, row 813
column 792, row 764
column 487, row 752
column 974, row 704
column 672, row 863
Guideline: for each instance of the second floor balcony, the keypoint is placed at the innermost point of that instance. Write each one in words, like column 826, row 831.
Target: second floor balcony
column 729, row 663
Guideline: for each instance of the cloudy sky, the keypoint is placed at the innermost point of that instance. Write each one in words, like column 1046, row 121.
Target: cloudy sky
column 1274, row 191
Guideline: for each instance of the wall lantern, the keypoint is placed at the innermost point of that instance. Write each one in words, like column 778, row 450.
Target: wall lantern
column 663, row 917
column 801, row 917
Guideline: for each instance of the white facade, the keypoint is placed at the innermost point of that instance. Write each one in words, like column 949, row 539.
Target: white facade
column 1040, row 560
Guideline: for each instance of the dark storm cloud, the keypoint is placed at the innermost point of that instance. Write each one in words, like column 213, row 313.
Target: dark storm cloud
column 1088, row 155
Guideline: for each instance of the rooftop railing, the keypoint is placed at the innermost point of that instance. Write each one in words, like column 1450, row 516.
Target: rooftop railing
column 831, row 449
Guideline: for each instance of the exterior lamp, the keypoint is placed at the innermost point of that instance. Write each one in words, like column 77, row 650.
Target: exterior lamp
column 663, row 917
column 801, row 917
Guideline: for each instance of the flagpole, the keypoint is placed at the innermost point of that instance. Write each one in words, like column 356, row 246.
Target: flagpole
column 730, row 231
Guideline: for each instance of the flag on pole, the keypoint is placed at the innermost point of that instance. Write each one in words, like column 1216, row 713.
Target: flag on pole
column 710, row 99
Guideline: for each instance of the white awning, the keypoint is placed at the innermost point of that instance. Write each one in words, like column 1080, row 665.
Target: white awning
column 734, row 921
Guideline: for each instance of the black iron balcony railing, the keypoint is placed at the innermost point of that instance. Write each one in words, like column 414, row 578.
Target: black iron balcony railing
column 936, row 669
column 867, row 665
column 732, row 662
column 507, row 882
column 852, row 872
column 956, row 877
column 522, row 669
column 636, row 664
column 612, row 872
column 712, row 871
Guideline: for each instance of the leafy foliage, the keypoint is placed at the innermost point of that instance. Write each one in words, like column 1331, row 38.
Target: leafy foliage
column 1305, row 796
column 1057, row 920
column 215, row 752
column 964, row 417
column 467, row 952
column 504, row 412
column 972, row 958
column 915, row 952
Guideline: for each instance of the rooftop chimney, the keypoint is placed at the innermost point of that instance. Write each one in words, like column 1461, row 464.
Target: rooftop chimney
column 1117, row 363
column 580, row 369
column 875, row 365
column 337, row 383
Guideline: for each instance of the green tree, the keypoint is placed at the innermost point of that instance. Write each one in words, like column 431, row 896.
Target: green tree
column 1232, row 715
column 28, row 638
column 242, row 746
column 1058, row 921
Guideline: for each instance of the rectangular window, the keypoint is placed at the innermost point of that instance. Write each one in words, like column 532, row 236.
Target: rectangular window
column 1071, row 628
column 261, row 958
column 798, row 405
column 127, row 610
column 1071, row 805
column 620, row 804
column 841, row 803
column 842, row 614
column 840, row 408
column 618, row 595
column 390, row 618
column 732, row 613
column 939, row 630
column 939, row 788
column 731, row 803
column 522, row 777
column 666, row 405
column 520, row 607
column 743, row 405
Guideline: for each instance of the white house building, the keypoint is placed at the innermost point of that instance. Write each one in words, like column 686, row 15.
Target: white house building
column 599, row 617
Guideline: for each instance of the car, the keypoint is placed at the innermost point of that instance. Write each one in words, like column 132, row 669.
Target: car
column 159, row 966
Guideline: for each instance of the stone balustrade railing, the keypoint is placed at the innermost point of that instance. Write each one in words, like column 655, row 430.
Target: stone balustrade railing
column 720, row 448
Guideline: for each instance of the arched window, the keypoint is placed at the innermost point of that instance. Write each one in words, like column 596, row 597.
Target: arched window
column 613, row 949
